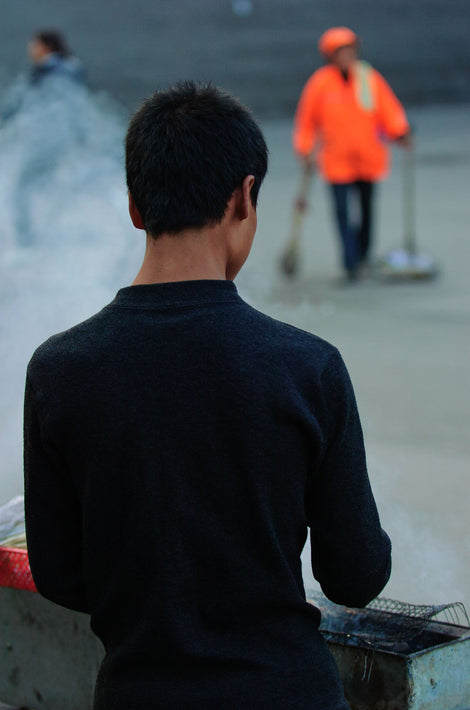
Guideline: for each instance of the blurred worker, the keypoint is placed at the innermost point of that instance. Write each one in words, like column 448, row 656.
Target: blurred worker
column 345, row 115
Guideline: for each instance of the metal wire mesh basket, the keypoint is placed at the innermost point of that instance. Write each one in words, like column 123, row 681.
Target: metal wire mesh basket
column 419, row 615
column 388, row 623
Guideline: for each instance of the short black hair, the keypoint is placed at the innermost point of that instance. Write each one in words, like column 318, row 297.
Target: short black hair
column 54, row 41
column 187, row 149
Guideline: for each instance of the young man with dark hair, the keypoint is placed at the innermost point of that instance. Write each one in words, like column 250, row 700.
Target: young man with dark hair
column 179, row 444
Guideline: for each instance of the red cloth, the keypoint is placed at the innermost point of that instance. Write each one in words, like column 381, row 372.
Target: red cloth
column 14, row 569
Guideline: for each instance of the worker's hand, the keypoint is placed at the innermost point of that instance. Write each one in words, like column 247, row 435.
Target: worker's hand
column 406, row 141
column 308, row 163
column 301, row 204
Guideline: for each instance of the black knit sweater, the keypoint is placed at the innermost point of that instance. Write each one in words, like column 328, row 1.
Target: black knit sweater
column 178, row 445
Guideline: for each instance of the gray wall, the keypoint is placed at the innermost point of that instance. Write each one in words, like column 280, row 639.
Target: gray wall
column 133, row 47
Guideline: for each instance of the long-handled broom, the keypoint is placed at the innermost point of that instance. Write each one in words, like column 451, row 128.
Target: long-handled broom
column 406, row 262
column 289, row 261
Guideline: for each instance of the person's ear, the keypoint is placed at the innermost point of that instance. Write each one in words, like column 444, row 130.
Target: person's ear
column 135, row 214
column 244, row 203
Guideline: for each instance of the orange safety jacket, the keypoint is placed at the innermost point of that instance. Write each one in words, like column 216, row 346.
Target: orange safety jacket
column 347, row 123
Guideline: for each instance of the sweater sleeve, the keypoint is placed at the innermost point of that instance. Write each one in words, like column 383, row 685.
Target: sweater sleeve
column 351, row 554
column 52, row 513
column 390, row 113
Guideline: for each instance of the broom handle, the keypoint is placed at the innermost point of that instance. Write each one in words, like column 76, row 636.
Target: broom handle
column 409, row 199
column 300, row 205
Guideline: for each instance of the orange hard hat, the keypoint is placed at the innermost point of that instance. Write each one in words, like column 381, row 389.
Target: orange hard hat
column 334, row 38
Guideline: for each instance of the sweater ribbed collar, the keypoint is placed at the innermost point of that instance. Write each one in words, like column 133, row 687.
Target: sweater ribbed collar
column 176, row 294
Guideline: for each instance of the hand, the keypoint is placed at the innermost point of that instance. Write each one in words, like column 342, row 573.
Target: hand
column 405, row 141
column 301, row 204
column 308, row 162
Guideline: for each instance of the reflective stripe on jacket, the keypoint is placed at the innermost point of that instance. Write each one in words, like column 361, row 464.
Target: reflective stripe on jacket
column 348, row 122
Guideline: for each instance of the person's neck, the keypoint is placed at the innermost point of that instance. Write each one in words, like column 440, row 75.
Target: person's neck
column 188, row 256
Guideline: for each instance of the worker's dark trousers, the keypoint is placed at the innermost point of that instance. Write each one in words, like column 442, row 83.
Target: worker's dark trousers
column 353, row 211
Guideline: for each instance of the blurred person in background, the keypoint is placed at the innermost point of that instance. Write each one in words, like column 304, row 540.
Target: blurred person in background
column 50, row 54
column 346, row 114
column 42, row 118
column 50, row 57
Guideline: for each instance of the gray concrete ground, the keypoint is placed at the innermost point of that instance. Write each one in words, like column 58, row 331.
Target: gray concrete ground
column 406, row 345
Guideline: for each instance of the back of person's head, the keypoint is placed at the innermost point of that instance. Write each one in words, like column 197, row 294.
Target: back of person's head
column 53, row 40
column 187, row 149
